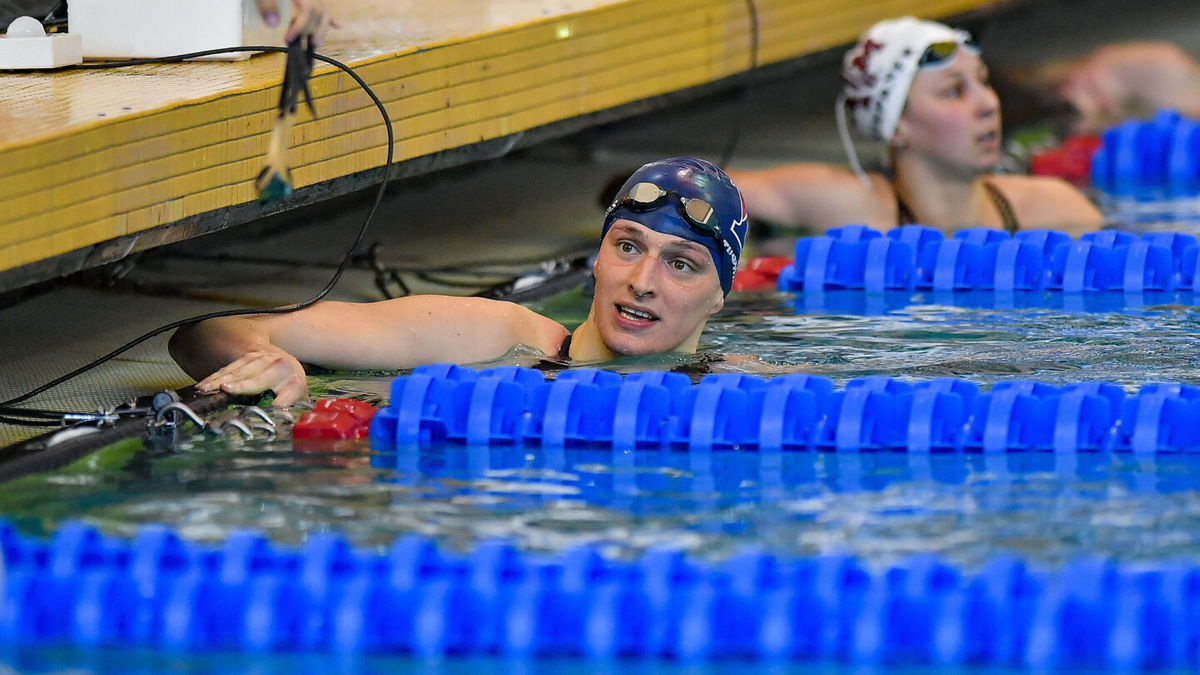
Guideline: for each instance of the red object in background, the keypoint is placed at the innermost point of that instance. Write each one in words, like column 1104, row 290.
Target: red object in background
column 1071, row 161
column 760, row 273
column 335, row 419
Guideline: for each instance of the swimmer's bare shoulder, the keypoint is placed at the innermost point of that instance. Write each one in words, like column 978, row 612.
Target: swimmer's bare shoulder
column 1048, row 202
column 816, row 195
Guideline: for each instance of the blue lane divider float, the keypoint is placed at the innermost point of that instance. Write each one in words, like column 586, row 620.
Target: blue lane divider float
column 510, row 405
column 160, row 591
column 917, row 258
column 1151, row 159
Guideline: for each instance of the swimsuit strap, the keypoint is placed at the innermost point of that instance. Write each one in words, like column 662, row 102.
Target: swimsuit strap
column 559, row 361
column 1007, row 214
column 1011, row 224
column 903, row 215
column 564, row 350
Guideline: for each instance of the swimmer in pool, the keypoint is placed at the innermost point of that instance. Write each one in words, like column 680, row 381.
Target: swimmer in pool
column 1116, row 82
column 920, row 88
column 309, row 17
column 670, row 246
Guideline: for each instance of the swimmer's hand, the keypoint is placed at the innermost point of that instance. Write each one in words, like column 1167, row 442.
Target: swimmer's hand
column 309, row 18
column 259, row 370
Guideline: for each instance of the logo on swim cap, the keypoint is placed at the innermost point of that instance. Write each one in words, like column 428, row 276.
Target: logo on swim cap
column 878, row 71
column 685, row 186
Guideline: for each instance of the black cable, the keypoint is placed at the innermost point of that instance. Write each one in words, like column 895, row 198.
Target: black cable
column 744, row 110
column 31, row 412
column 474, row 282
column 468, row 267
column 30, row 422
column 238, row 312
column 57, row 16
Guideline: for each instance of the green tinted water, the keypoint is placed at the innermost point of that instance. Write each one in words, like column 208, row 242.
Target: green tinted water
column 881, row 506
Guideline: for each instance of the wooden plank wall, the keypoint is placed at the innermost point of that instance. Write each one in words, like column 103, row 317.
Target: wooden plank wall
column 89, row 156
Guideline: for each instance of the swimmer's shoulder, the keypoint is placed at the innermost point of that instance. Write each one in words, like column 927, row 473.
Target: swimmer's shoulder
column 1048, row 202
column 817, row 195
column 535, row 330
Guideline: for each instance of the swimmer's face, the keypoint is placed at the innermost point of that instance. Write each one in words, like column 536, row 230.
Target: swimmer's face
column 952, row 116
column 654, row 291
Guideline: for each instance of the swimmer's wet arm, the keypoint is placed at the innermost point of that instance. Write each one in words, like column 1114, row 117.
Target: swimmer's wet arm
column 410, row 331
column 807, row 195
column 251, row 354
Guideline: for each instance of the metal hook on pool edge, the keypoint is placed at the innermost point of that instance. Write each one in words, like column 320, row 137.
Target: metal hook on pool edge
column 257, row 419
column 254, row 411
column 245, row 420
column 180, row 408
column 235, row 423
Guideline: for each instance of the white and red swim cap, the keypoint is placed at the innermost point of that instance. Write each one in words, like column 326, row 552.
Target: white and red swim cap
column 878, row 71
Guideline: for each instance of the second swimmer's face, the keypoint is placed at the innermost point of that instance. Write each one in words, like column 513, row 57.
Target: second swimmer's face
column 952, row 116
column 654, row 291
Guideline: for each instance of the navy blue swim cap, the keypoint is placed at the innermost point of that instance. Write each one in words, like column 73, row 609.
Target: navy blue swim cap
column 686, row 186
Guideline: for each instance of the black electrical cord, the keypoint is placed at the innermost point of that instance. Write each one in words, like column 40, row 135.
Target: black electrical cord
column 744, row 109
column 20, row 422
column 12, row 413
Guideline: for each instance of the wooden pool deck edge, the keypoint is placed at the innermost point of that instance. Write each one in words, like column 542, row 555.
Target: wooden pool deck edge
column 150, row 155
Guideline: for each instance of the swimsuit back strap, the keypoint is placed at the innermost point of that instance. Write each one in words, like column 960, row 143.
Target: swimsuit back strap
column 903, row 215
column 1007, row 214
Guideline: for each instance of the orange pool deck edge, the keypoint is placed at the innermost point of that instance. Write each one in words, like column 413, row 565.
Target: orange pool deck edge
column 89, row 158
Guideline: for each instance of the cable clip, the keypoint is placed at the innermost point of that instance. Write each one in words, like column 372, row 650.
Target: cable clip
column 246, row 421
column 107, row 417
column 102, row 418
column 168, row 416
column 386, row 277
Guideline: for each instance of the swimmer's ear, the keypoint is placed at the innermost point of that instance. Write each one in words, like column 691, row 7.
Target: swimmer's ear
column 718, row 305
column 900, row 136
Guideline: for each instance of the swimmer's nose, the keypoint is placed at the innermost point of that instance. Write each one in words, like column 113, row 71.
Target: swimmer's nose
column 989, row 102
column 641, row 279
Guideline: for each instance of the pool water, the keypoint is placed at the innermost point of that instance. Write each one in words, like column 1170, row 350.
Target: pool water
column 880, row 506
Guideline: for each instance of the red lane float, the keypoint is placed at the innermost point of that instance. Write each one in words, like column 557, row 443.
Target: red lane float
column 1071, row 161
column 335, row 419
column 760, row 273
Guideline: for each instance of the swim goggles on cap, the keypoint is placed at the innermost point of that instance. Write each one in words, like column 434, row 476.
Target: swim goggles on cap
column 697, row 213
column 942, row 53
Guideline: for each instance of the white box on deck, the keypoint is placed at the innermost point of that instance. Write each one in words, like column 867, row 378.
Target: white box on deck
column 25, row 46
column 118, row 29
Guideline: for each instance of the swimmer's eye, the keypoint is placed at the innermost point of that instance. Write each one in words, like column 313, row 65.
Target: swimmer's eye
column 682, row 265
column 954, row 91
column 626, row 246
